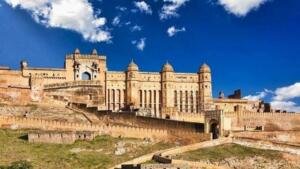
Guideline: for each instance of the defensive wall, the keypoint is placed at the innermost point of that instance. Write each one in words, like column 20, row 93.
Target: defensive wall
column 59, row 137
column 131, row 119
column 113, row 130
column 291, row 137
column 89, row 92
column 245, row 120
column 15, row 95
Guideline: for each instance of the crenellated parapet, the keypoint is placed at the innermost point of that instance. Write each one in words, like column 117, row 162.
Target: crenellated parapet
column 82, row 83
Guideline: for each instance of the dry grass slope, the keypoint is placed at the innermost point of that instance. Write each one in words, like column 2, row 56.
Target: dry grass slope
column 98, row 153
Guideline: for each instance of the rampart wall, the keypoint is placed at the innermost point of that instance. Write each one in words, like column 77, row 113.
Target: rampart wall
column 14, row 95
column 115, row 131
column 188, row 117
column 130, row 119
column 292, row 137
column 269, row 121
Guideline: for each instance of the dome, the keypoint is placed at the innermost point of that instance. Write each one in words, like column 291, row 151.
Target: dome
column 168, row 67
column 77, row 51
column 132, row 66
column 204, row 68
column 94, row 52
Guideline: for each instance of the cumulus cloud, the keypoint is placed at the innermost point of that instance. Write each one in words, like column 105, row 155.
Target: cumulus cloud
column 140, row 44
column 289, row 106
column 79, row 17
column 241, row 7
column 282, row 98
column 257, row 96
column 143, row 7
column 170, row 8
column 288, row 92
column 173, row 31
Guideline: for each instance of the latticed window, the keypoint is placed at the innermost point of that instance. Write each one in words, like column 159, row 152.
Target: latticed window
column 175, row 99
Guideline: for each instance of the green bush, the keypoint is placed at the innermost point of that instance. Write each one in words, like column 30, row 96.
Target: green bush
column 20, row 165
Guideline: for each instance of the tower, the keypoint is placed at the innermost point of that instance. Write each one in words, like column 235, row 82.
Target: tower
column 85, row 66
column 205, row 88
column 132, row 76
column 167, row 93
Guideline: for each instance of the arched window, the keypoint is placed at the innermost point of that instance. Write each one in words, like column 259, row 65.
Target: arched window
column 86, row 76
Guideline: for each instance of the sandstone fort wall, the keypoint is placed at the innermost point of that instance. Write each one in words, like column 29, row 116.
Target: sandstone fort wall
column 275, row 136
column 115, row 131
column 270, row 121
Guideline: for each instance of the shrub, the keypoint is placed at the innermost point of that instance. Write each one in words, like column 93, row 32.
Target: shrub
column 20, row 165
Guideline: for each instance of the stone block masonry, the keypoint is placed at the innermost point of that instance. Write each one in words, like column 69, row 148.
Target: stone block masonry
column 113, row 130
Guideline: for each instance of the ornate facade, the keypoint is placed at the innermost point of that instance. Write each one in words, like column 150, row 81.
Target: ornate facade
column 154, row 92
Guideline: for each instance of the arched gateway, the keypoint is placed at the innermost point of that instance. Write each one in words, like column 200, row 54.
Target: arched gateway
column 214, row 128
column 86, row 76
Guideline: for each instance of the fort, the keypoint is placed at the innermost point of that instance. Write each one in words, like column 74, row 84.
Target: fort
column 165, row 105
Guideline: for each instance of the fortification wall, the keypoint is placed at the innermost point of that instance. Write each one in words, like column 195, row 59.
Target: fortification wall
column 13, row 78
column 270, row 121
column 58, row 138
column 88, row 92
column 187, row 117
column 18, row 96
column 275, row 136
column 130, row 119
column 116, row 131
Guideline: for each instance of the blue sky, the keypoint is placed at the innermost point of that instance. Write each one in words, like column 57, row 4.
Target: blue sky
column 249, row 44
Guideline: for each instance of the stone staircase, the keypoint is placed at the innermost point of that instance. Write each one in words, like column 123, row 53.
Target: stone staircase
column 92, row 118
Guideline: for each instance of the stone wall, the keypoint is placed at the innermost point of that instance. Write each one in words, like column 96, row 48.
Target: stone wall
column 59, row 137
column 115, row 131
column 15, row 96
column 90, row 93
column 275, row 136
column 52, row 137
column 131, row 119
column 269, row 121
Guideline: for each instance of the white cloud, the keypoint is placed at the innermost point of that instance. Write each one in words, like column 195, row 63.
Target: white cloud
column 241, row 7
column 289, row 106
column 143, row 7
column 135, row 28
column 258, row 96
column 282, row 98
column 140, row 44
column 79, row 16
column 116, row 21
column 173, row 31
column 288, row 92
column 170, row 8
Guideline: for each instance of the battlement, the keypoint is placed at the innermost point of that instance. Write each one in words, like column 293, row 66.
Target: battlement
column 81, row 83
column 262, row 114
column 113, row 130
column 245, row 120
column 85, row 56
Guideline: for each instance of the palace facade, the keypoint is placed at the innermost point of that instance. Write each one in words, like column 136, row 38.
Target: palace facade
column 154, row 92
